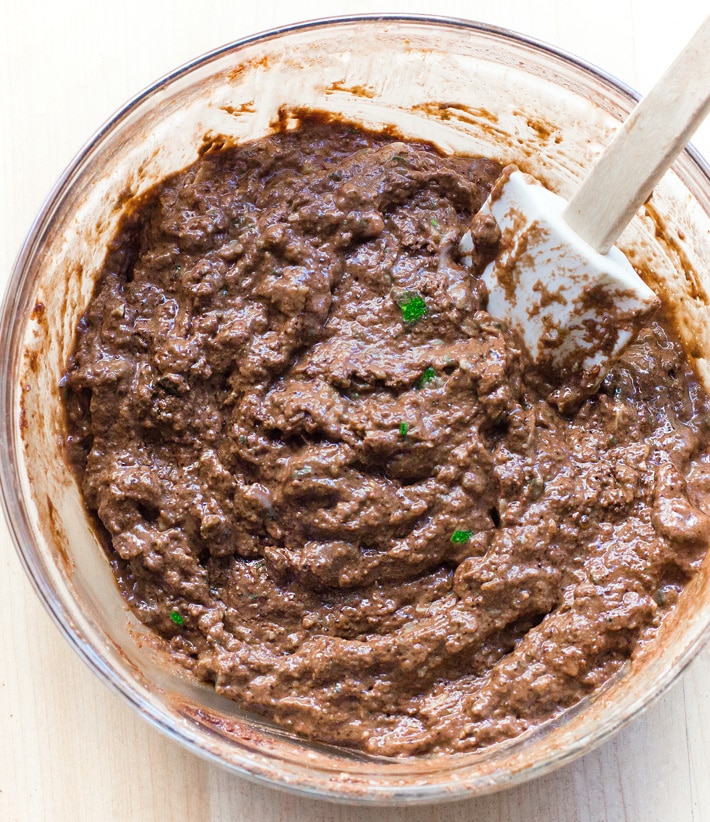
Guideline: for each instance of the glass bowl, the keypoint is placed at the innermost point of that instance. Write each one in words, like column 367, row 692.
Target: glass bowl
column 464, row 86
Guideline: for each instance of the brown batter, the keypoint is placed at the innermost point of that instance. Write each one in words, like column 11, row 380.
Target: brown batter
column 331, row 480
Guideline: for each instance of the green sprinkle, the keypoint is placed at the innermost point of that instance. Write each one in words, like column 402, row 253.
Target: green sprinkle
column 177, row 618
column 459, row 537
column 403, row 428
column 428, row 376
column 400, row 160
column 242, row 439
column 413, row 307
column 435, row 223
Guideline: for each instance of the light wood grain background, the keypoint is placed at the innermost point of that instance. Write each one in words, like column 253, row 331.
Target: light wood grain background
column 69, row 748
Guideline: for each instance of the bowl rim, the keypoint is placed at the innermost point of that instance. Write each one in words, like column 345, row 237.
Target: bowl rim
column 14, row 506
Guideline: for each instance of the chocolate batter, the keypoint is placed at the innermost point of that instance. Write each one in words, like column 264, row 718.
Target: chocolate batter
column 332, row 482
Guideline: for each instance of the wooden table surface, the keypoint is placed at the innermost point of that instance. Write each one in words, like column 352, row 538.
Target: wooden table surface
column 69, row 748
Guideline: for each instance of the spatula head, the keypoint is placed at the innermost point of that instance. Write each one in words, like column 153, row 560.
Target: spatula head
column 574, row 309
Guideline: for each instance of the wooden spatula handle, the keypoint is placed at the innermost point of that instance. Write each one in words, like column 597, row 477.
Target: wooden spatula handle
column 654, row 134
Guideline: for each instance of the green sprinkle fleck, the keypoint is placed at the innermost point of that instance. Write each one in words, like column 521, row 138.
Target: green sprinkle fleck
column 400, row 160
column 242, row 439
column 413, row 307
column 177, row 618
column 428, row 376
column 403, row 428
column 459, row 537
column 435, row 223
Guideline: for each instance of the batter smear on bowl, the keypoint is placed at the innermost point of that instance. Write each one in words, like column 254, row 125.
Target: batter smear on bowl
column 331, row 481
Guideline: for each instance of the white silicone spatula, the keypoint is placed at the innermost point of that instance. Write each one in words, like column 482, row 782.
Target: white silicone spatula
column 574, row 298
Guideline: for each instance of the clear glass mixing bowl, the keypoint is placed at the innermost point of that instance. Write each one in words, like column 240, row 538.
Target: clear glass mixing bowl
column 466, row 87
